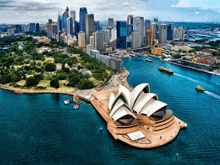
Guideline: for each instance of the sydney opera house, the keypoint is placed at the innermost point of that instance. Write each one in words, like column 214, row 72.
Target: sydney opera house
column 137, row 117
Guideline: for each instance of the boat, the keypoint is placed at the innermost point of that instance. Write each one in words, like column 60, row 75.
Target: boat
column 66, row 102
column 200, row 89
column 166, row 70
column 149, row 60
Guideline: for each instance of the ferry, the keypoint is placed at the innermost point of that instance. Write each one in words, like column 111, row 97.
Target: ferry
column 166, row 70
column 200, row 89
column 149, row 60
column 66, row 102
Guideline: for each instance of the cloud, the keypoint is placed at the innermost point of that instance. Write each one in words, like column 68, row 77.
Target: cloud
column 126, row 4
column 182, row 3
column 197, row 12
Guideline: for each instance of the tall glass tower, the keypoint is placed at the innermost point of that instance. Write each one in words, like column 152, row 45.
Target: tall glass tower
column 121, row 34
column 82, row 19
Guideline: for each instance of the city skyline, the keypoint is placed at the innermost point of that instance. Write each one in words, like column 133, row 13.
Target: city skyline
column 25, row 11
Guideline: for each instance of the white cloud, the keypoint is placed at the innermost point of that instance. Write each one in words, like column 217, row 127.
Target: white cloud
column 126, row 4
column 197, row 12
column 182, row 3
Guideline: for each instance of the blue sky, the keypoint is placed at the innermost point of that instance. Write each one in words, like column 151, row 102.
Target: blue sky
column 24, row 11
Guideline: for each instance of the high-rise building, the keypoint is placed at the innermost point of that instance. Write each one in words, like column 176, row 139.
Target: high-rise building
column 73, row 15
column 149, row 37
column 54, row 30
column 135, row 40
column 69, row 26
column 147, row 24
column 90, row 28
column 97, row 25
column 139, row 26
column 156, row 21
column 121, row 34
column 89, row 47
column 110, row 23
column 26, row 28
column 82, row 19
column 98, row 41
column 113, row 34
column 81, row 40
column 107, row 36
column 37, row 27
column 59, row 24
column 50, row 21
column 169, row 32
column 154, row 29
column 18, row 29
column 91, row 40
column 32, row 27
column 129, row 25
column 76, row 28
column 178, row 33
column 64, row 19
column 162, row 33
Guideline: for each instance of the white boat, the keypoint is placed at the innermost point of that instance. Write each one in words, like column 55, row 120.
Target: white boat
column 66, row 102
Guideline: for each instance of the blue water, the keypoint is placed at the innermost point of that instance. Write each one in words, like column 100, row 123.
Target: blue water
column 40, row 129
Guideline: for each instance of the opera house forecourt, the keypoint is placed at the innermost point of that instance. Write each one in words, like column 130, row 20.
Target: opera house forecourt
column 137, row 117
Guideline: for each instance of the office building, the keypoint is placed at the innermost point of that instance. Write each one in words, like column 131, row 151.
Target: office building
column 32, row 27
column 97, row 25
column 89, row 48
column 110, row 23
column 138, row 24
column 76, row 28
column 154, row 29
column 121, row 34
column 69, row 26
column 82, row 19
column 147, row 24
column 18, row 28
column 129, row 25
column 81, row 40
column 98, row 41
column 54, row 30
column 162, row 33
column 37, row 27
column 91, row 40
column 73, row 15
column 50, row 21
column 59, row 24
column 90, row 28
column 178, row 33
column 113, row 34
column 26, row 28
column 107, row 36
column 149, row 37
column 156, row 21
column 135, row 40
column 169, row 32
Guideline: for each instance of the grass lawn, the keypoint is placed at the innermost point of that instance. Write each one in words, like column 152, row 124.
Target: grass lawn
column 95, row 81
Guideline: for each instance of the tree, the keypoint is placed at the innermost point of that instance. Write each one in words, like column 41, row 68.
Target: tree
column 50, row 67
column 214, row 53
column 73, row 81
column 85, row 84
column 31, row 81
column 54, row 83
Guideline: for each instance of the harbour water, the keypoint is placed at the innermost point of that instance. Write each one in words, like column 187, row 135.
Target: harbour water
column 40, row 129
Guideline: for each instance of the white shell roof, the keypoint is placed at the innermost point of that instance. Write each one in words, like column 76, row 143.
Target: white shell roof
column 118, row 105
column 137, row 90
column 121, row 112
column 111, row 100
column 153, row 107
column 143, row 100
column 125, row 91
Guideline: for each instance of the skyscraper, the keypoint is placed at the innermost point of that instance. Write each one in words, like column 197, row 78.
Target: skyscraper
column 110, row 23
column 154, row 29
column 90, row 28
column 97, row 26
column 69, row 26
column 37, row 27
column 156, row 21
column 98, row 41
column 81, row 40
column 147, row 24
column 59, row 24
column 18, row 29
column 149, row 37
column 91, row 40
column 121, row 34
column 107, row 36
column 178, row 33
column 76, row 28
column 32, row 27
column 54, row 30
column 50, row 21
column 129, row 25
column 162, row 33
column 82, row 19
column 139, row 26
column 73, row 15
column 64, row 19
column 169, row 32
column 135, row 40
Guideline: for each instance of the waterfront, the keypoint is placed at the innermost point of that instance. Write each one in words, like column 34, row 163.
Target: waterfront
column 41, row 129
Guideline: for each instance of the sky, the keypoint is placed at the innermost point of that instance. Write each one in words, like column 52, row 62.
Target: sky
column 25, row 11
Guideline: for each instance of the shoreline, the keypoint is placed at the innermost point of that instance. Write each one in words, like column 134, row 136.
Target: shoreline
column 189, row 67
